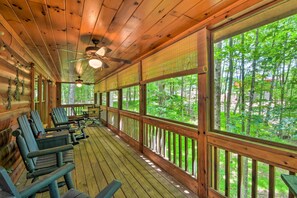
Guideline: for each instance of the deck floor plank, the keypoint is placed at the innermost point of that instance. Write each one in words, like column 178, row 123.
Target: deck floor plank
column 147, row 167
column 134, row 177
column 154, row 186
column 104, row 157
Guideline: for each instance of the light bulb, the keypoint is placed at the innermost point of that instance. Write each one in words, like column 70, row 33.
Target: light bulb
column 95, row 63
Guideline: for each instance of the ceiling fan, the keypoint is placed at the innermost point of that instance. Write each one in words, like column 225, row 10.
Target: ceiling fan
column 97, row 56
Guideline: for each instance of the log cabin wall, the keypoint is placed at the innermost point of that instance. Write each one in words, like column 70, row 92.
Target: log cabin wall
column 16, row 96
column 11, row 107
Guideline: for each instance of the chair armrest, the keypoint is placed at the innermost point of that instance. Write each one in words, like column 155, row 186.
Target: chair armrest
column 50, row 151
column 76, row 119
column 63, row 123
column 291, row 182
column 47, row 180
column 57, row 128
column 109, row 190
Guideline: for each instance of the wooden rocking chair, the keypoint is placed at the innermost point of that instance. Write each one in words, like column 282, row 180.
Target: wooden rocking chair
column 60, row 118
column 37, row 128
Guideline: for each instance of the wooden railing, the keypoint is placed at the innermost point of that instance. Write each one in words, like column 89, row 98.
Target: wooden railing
column 113, row 118
column 103, row 113
column 75, row 109
column 129, row 124
column 236, row 167
column 173, row 142
column 239, row 168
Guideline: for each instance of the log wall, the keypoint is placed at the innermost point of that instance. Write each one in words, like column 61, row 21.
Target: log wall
column 14, row 58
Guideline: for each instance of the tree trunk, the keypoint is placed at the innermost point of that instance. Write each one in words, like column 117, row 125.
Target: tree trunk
column 127, row 98
column 217, row 81
column 252, row 90
column 190, row 102
column 161, row 95
column 182, row 97
column 71, row 94
column 250, row 108
column 230, row 84
column 242, row 87
column 283, row 83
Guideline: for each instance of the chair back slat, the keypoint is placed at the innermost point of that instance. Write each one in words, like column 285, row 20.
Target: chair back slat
column 37, row 122
column 6, row 184
column 27, row 133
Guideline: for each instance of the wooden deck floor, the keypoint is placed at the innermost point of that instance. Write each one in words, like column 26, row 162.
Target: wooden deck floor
column 104, row 157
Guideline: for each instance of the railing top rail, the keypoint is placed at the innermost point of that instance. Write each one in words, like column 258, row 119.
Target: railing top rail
column 280, row 157
column 129, row 114
column 171, row 126
column 75, row 105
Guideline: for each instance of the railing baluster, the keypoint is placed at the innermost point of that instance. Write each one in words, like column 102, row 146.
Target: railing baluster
column 149, row 136
column 193, row 157
column 186, row 154
column 254, row 178
column 180, row 152
column 169, row 145
column 159, row 141
column 152, row 137
column 240, row 176
column 174, row 148
column 216, row 168
column 227, row 173
column 155, row 138
column 163, row 142
column 271, row 182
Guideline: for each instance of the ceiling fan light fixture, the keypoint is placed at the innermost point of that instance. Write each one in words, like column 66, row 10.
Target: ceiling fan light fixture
column 79, row 82
column 95, row 63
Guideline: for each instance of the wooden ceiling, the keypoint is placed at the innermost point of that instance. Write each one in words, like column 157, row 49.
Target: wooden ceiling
column 130, row 28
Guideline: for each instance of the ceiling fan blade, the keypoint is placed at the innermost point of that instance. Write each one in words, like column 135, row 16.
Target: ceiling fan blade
column 66, row 50
column 119, row 60
column 76, row 60
column 105, row 65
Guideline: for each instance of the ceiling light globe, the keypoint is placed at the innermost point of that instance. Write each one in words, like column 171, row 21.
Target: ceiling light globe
column 78, row 84
column 95, row 63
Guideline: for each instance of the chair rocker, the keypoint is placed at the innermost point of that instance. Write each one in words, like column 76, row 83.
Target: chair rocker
column 38, row 129
column 9, row 190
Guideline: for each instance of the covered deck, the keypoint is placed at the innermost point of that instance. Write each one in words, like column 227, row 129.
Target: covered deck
column 104, row 157
column 201, row 90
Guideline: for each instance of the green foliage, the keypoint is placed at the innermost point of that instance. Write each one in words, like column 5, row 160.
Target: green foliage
column 131, row 99
column 113, row 99
column 271, row 113
column 256, row 95
column 71, row 94
column 104, row 98
column 174, row 99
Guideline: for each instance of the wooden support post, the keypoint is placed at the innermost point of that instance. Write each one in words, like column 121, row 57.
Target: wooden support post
column 49, row 103
column 271, row 193
column 120, row 106
column 203, row 60
column 142, row 108
column 46, row 101
column 107, row 105
column 32, row 86
column 58, row 94
column 40, row 96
